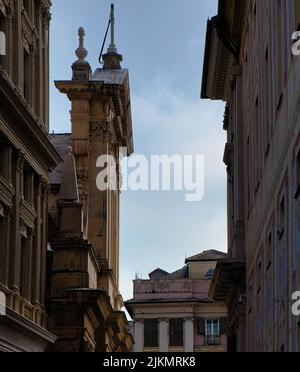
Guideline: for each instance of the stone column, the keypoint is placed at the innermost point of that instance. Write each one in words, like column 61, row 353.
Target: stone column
column 4, row 244
column 189, row 335
column 139, row 336
column 164, row 336
column 15, row 252
column 43, row 247
column 38, row 243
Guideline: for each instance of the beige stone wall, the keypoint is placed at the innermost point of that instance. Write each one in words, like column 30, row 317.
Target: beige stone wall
column 27, row 58
column 28, row 157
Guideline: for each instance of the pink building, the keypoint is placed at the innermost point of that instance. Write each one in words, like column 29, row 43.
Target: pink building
column 173, row 312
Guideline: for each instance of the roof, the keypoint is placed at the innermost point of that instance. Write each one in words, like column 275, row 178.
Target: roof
column 210, row 23
column 129, row 305
column 211, row 255
column 179, row 274
column 167, row 301
column 158, row 274
column 116, row 77
column 229, row 273
column 223, row 40
column 60, row 142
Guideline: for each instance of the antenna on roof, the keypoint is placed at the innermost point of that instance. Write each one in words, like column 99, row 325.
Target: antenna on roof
column 111, row 24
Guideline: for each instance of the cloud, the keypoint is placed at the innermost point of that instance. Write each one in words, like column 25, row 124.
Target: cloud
column 158, row 229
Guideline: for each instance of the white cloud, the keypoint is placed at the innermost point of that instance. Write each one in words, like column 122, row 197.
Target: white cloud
column 158, row 229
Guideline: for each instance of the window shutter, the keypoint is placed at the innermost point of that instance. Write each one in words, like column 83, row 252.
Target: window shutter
column 176, row 332
column 223, row 326
column 201, row 326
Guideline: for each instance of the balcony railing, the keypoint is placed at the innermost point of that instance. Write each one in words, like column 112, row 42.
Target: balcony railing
column 212, row 340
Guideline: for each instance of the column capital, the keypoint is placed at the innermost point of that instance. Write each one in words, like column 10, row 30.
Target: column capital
column 189, row 319
column 20, row 160
column 164, row 320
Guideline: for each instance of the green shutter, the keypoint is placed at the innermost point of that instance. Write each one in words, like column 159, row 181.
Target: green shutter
column 223, row 326
column 201, row 326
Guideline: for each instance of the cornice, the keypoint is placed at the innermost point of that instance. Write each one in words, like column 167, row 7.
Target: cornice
column 27, row 123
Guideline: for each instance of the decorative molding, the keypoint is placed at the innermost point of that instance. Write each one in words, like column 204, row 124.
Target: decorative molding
column 7, row 192
column 82, row 179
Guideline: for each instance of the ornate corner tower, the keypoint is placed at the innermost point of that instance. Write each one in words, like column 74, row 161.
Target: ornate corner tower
column 101, row 125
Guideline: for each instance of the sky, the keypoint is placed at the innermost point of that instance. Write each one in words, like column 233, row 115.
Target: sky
column 162, row 43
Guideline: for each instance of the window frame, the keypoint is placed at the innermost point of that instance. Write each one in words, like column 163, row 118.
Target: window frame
column 212, row 337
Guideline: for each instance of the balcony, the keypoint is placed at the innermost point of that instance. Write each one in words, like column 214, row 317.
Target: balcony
column 212, row 341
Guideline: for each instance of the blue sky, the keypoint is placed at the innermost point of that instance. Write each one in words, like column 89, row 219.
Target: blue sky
column 162, row 43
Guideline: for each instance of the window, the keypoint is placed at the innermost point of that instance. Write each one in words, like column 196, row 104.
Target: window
column 2, row 246
column 2, row 160
column 26, row 76
column 267, row 121
column 297, row 15
column 28, row 186
column 249, row 176
column 298, row 337
column 257, row 144
column 269, row 251
column 281, row 222
column 259, row 278
column 297, row 194
column 151, row 333
column 176, row 332
column 212, row 332
column 24, row 275
column 282, row 49
column 2, row 38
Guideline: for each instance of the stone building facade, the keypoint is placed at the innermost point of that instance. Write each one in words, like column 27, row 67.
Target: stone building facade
column 249, row 64
column 173, row 312
column 26, row 157
column 59, row 235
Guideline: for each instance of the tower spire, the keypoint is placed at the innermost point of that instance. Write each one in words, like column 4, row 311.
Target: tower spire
column 81, row 52
column 112, row 59
column 112, row 47
column 81, row 68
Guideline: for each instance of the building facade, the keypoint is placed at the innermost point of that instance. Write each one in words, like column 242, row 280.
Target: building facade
column 249, row 64
column 173, row 313
column 26, row 157
column 59, row 235
column 84, row 301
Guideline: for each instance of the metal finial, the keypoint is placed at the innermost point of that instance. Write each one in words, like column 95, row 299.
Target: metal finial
column 81, row 52
column 112, row 47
